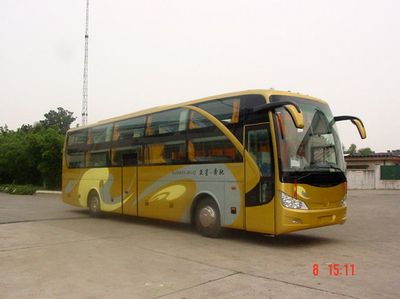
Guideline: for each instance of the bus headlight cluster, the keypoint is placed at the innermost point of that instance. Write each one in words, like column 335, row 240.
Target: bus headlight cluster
column 343, row 201
column 292, row 203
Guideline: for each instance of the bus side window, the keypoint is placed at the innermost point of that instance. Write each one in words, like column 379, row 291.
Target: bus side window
column 100, row 134
column 175, row 152
column 100, row 158
column 225, row 110
column 154, row 153
column 258, row 145
column 170, row 122
column 198, row 121
column 191, row 152
column 76, row 159
column 129, row 129
column 213, row 149
column 229, row 111
column 127, row 156
column 207, row 143
column 149, row 124
column 77, row 138
column 76, row 149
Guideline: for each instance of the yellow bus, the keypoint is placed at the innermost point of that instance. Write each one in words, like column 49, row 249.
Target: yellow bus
column 259, row 160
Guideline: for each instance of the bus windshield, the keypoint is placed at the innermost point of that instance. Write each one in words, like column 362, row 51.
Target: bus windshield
column 316, row 147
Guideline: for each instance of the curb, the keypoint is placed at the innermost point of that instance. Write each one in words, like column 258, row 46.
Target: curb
column 47, row 192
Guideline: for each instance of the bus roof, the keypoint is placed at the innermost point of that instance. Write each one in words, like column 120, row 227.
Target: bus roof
column 265, row 92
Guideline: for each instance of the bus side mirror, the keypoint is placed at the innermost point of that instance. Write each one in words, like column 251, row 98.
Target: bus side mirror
column 356, row 121
column 296, row 114
column 291, row 107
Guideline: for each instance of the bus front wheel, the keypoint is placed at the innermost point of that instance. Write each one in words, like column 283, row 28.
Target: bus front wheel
column 94, row 204
column 208, row 219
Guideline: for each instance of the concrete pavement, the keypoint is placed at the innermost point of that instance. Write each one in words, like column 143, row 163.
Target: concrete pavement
column 49, row 249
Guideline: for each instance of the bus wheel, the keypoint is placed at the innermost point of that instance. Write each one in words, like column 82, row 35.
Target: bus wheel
column 208, row 219
column 94, row 204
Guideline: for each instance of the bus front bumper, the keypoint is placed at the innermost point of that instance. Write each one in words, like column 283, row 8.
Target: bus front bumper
column 293, row 220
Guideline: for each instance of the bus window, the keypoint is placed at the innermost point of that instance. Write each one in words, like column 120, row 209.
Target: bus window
column 198, row 121
column 173, row 152
column 207, row 143
column 79, row 137
column 167, row 122
column 124, row 156
column 100, row 134
column 226, row 111
column 154, row 153
column 213, row 149
column 76, row 149
column 129, row 129
column 99, row 158
column 258, row 145
column 76, row 159
column 251, row 117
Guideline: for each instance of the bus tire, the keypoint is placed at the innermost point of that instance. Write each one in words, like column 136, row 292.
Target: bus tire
column 94, row 204
column 208, row 218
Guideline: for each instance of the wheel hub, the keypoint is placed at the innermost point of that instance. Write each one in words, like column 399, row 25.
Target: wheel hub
column 94, row 205
column 207, row 216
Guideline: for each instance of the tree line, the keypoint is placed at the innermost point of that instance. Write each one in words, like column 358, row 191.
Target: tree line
column 32, row 154
column 353, row 151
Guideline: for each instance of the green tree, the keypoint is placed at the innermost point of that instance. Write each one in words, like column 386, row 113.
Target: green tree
column 50, row 164
column 17, row 159
column 4, row 130
column 25, row 128
column 60, row 120
column 33, row 153
column 365, row 151
column 352, row 150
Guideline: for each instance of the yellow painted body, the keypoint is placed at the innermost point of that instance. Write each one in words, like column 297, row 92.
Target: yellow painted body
column 325, row 207
column 168, row 191
column 160, row 192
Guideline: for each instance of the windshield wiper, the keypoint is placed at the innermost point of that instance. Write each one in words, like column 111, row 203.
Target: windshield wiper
column 328, row 166
column 305, row 173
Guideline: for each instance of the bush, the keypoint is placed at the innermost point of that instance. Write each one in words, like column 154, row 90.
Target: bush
column 18, row 189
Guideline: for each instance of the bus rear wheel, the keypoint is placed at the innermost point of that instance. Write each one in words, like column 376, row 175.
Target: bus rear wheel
column 208, row 219
column 94, row 205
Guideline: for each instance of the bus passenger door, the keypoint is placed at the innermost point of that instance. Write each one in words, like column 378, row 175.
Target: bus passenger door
column 259, row 203
column 129, row 183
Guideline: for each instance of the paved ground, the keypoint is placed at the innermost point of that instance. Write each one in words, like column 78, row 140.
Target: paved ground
column 52, row 250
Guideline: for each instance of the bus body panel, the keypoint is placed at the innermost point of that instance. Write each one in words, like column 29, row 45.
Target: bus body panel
column 167, row 192
column 129, row 190
column 261, row 218
column 70, row 186
column 293, row 220
column 316, row 197
column 105, row 181
column 325, row 207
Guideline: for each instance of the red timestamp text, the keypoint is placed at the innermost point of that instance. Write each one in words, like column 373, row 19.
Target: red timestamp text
column 335, row 269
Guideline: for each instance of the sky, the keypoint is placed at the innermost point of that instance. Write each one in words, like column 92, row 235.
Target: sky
column 156, row 52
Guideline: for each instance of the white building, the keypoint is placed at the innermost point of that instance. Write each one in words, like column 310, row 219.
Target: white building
column 377, row 171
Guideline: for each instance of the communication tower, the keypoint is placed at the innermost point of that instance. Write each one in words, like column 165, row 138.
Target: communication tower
column 85, row 70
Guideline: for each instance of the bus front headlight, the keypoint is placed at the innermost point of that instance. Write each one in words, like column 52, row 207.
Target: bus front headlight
column 292, row 203
column 343, row 201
